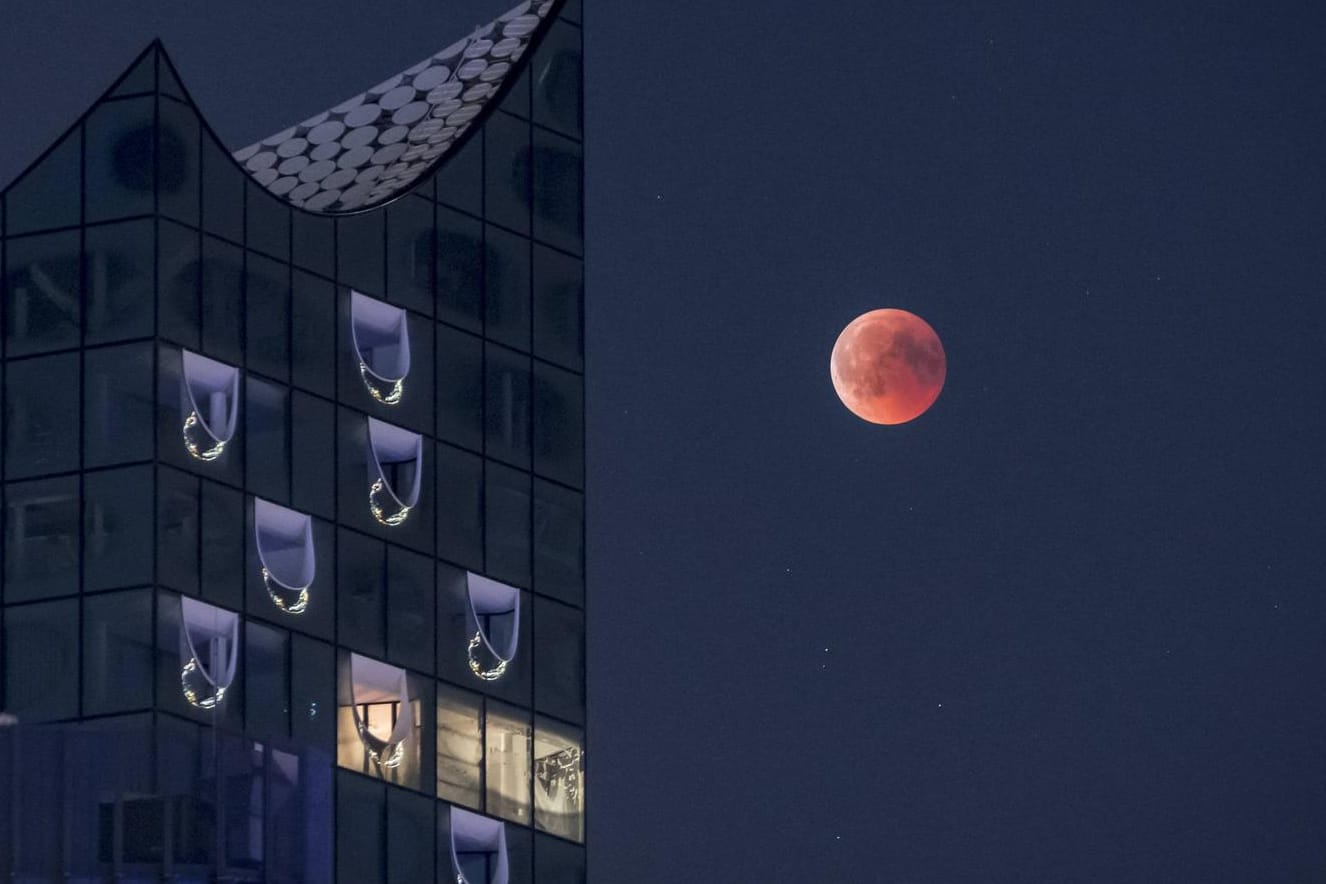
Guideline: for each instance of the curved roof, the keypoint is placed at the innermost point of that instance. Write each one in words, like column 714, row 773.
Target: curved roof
column 375, row 146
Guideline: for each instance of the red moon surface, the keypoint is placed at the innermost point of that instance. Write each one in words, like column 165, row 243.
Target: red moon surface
column 888, row 366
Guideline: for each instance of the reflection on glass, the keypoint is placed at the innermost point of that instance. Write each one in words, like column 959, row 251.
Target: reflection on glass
column 508, row 760
column 459, row 746
column 559, row 780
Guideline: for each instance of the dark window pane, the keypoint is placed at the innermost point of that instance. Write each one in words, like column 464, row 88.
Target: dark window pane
column 558, row 862
column 556, row 71
column 507, row 289
column 507, row 171
column 222, row 282
column 361, row 592
column 267, row 299
column 119, row 160
column 41, row 661
column 49, row 194
column 266, row 680
column 313, row 462
column 267, row 440
column 507, row 406
column 459, row 387
column 314, row 243
column 507, row 534
column 409, row 609
column 572, row 11
column 360, row 829
column 559, row 289
column 360, row 252
column 460, row 180
column 177, row 530
column 459, row 269
column 410, row 268
column 117, row 652
column 313, row 691
column 517, row 99
column 41, row 538
column 559, row 667
column 268, row 227
column 559, row 542
column 313, row 362
column 223, row 543
column 118, row 527
column 119, row 281
column 558, row 211
column 460, row 507
column 410, row 832
column 181, row 283
column 559, row 432
column 41, row 414
column 223, row 192
column 178, row 181
column 42, row 301
column 117, row 403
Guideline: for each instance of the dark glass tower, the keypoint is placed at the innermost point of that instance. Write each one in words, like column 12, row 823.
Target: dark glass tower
column 293, row 538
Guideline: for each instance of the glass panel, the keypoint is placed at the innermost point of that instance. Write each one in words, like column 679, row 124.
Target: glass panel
column 455, row 632
column 410, row 609
column 181, row 283
column 557, row 78
column 42, row 301
column 41, row 416
column 228, row 713
column 313, row 461
column 117, row 405
column 361, row 818
column 313, row 692
column 223, row 544
column 507, row 537
column 410, row 832
column 370, row 694
column 508, row 763
column 119, row 281
column 517, row 99
column 49, row 194
column 266, row 680
column 313, row 243
column 178, row 181
column 507, row 172
column 559, row 542
column 507, row 289
column 559, row 290
column 460, row 180
column 118, row 526
column 558, row 189
column 507, row 405
column 459, row 387
column 460, row 507
column 361, row 592
column 118, row 159
column 557, row 862
column 459, row 746
column 559, row 667
column 223, row 192
column 559, row 779
column 559, row 425
column 268, row 328
column 41, row 661
column 360, row 252
column 177, row 530
column 222, row 281
column 117, row 652
column 268, row 440
column 460, row 262
column 268, row 227
column 313, row 361
column 410, row 254
column 41, row 538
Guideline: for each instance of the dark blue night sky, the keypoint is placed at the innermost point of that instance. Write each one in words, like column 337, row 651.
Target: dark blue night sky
column 1066, row 626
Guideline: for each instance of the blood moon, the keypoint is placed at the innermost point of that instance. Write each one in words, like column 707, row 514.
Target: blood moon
column 888, row 366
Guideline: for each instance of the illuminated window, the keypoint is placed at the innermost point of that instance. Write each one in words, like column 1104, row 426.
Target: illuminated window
column 381, row 337
column 508, row 762
column 559, row 780
column 285, row 549
column 379, row 734
column 459, row 746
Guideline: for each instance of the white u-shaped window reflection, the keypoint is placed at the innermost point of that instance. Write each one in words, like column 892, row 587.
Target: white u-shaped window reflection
column 209, row 404
column 284, row 539
column 381, row 335
column 209, row 649
column 395, row 469
column 493, row 615
column 383, row 714
column 478, row 848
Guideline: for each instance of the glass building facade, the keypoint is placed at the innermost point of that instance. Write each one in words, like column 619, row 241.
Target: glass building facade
column 293, row 512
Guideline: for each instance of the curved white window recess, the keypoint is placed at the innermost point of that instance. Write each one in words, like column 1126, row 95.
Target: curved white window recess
column 381, row 335
column 374, row 683
column 285, row 548
column 209, row 402
column 493, row 614
column 395, row 468
column 478, row 848
column 209, row 649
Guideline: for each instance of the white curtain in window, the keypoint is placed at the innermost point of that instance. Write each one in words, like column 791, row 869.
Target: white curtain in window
column 395, row 470
column 209, row 650
column 209, row 405
column 381, row 336
column 373, row 682
column 471, row 834
column 493, row 614
column 284, row 539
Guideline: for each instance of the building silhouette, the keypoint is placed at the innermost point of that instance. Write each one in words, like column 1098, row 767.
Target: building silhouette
column 293, row 459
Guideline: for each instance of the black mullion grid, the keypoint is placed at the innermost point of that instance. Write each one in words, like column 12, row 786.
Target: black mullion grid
column 154, row 775
column 584, row 457
column 82, row 390
column 4, row 430
column 337, row 654
column 529, row 476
